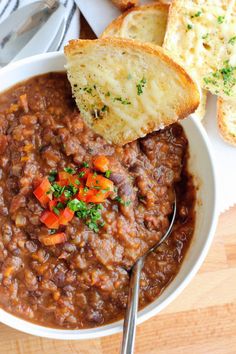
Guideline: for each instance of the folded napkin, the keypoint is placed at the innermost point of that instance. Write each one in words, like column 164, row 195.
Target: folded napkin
column 71, row 15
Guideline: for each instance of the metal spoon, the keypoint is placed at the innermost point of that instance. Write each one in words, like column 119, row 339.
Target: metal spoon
column 129, row 327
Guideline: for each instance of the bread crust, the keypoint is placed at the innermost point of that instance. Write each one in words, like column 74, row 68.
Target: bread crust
column 117, row 22
column 190, row 104
column 124, row 4
column 222, row 125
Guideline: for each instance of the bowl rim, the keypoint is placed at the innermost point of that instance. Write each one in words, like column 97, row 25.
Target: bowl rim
column 115, row 327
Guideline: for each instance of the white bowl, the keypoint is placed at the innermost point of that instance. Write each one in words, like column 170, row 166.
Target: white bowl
column 200, row 164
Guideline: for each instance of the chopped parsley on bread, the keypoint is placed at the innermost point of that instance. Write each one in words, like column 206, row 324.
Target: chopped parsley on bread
column 127, row 89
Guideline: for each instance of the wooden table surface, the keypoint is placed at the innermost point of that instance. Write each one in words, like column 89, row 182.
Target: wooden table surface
column 202, row 320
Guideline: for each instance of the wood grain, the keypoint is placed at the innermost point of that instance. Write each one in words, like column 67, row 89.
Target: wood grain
column 202, row 320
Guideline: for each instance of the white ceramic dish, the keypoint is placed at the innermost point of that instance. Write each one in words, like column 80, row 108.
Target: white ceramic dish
column 200, row 164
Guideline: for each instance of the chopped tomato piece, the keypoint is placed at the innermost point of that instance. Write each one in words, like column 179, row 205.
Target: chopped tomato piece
column 98, row 197
column 101, row 163
column 55, row 239
column 84, row 195
column 66, row 216
column 63, row 182
column 83, row 173
column 99, row 182
column 41, row 192
column 75, row 181
column 50, row 219
column 52, row 204
column 64, row 176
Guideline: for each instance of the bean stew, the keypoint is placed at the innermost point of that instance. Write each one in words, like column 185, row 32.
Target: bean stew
column 76, row 212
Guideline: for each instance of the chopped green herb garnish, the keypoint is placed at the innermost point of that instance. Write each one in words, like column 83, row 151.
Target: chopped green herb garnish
column 88, row 89
column 89, row 212
column 220, row 19
column 70, row 191
column 52, row 231
column 56, row 211
column 81, row 174
column 86, row 189
column 85, row 164
column 52, row 176
column 197, row 14
column 226, row 74
column 140, row 86
column 60, row 205
column 189, row 27
column 77, row 182
column 57, row 190
column 108, row 173
column 69, row 170
column 75, row 204
column 122, row 100
column 232, row 40
column 105, row 108
column 107, row 94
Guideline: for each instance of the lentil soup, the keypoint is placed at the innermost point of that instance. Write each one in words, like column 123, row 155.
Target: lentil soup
column 76, row 212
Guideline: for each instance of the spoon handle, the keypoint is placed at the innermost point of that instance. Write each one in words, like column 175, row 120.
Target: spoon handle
column 129, row 327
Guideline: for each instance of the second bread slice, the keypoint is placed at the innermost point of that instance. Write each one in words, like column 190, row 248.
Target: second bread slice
column 125, row 89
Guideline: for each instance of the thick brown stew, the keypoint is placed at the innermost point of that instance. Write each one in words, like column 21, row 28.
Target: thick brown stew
column 84, row 281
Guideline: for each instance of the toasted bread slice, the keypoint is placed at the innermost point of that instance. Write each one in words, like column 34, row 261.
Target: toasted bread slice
column 201, row 110
column 146, row 23
column 124, row 4
column 202, row 35
column 126, row 89
column 226, row 113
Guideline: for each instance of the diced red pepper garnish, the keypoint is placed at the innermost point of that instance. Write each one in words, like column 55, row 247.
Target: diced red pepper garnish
column 84, row 172
column 98, row 197
column 66, row 216
column 41, row 192
column 50, row 219
column 99, row 182
column 101, row 163
column 52, row 204
column 55, row 239
column 64, row 177
column 84, row 195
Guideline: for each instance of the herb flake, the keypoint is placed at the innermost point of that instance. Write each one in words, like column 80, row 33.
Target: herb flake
column 140, row 86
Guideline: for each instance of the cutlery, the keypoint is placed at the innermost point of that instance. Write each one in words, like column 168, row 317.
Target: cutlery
column 21, row 26
column 129, row 327
column 45, row 36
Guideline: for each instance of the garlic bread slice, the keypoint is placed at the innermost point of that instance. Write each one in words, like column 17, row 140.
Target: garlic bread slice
column 226, row 114
column 126, row 89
